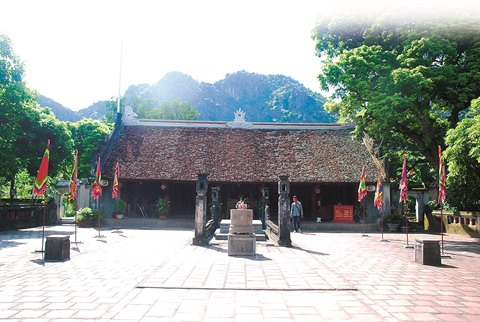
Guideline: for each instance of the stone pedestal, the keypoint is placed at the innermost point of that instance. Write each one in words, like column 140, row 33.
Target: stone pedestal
column 57, row 248
column 427, row 252
column 241, row 237
column 241, row 245
column 241, row 221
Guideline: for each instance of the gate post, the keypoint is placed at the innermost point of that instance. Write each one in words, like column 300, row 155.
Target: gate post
column 266, row 204
column 201, row 211
column 215, row 207
column 284, row 212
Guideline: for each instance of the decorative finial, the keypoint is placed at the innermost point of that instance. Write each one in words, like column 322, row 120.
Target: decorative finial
column 239, row 116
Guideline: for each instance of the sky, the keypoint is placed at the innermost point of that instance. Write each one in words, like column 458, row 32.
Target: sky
column 78, row 52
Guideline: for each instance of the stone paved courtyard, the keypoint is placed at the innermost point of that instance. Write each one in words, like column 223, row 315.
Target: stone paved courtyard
column 146, row 274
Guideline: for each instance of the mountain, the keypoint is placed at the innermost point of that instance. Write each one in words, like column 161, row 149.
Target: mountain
column 263, row 98
column 94, row 111
column 61, row 112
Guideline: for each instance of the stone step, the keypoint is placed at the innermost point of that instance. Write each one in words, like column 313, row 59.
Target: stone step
column 222, row 232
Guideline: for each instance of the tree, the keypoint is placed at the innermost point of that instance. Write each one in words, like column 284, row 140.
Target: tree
column 27, row 126
column 174, row 110
column 404, row 81
column 463, row 155
column 88, row 135
column 13, row 95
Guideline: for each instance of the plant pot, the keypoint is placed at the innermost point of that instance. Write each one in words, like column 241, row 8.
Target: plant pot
column 87, row 223
column 393, row 227
column 163, row 216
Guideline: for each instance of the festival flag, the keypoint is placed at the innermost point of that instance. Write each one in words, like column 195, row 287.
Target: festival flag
column 97, row 185
column 378, row 200
column 442, row 191
column 73, row 187
column 362, row 189
column 403, row 181
column 115, row 181
column 41, row 182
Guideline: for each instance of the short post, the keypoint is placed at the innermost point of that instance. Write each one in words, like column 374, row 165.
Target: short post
column 57, row 248
column 427, row 252
column 201, row 211
column 284, row 212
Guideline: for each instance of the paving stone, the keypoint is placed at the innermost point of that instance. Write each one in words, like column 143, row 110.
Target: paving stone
column 326, row 276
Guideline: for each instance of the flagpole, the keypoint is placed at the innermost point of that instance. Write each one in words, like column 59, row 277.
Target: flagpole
column 43, row 226
column 364, row 220
column 441, row 225
column 120, row 77
column 381, row 220
column 405, row 212
column 76, row 209
column 98, row 217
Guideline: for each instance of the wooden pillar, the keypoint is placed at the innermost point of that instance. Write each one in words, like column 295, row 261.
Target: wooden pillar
column 284, row 212
column 201, row 211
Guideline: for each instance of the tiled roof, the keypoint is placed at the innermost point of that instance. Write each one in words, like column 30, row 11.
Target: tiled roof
column 259, row 153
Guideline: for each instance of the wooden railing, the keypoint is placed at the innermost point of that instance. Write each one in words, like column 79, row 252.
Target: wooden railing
column 272, row 231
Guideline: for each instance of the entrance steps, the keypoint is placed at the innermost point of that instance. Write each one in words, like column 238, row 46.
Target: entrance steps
column 222, row 232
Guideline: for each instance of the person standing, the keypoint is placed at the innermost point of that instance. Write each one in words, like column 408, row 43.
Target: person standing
column 296, row 212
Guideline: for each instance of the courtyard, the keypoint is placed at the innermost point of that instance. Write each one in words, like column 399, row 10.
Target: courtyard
column 140, row 273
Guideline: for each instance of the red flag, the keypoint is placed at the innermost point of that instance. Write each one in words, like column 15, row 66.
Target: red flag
column 403, row 181
column 115, row 181
column 362, row 189
column 73, row 187
column 378, row 200
column 442, row 182
column 97, row 185
column 41, row 182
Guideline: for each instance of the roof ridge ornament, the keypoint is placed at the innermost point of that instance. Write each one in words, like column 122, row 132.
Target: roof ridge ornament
column 129, row 116
column 239, row 120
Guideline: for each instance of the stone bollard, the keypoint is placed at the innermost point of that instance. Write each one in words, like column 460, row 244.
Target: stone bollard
column 57, row 248
column 241, row 237
column 427, row 252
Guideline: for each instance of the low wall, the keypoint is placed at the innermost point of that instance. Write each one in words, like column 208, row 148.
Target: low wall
column 460, row 222
column 26, row 216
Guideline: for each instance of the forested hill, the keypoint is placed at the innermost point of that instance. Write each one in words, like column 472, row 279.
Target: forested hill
column 264, row 98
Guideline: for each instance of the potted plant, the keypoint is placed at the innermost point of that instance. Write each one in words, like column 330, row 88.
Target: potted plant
column 162, row 206
column 85, row 217
column 393, row 221
column 120, row 207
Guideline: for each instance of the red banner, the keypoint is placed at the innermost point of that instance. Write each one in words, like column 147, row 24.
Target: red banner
column 343, row 214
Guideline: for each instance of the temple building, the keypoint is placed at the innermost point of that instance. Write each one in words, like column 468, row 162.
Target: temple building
column 242, row 160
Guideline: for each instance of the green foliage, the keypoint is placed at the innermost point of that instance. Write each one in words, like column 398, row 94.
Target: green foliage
column 120, row 206
column 26, row 126
column 85, row 214
column 88, row 134
column 463, row 160
column 394, row 218
column 173, row 110
column 162, row 206
column 69, row 209
column 403, row 81
column 88, row 214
